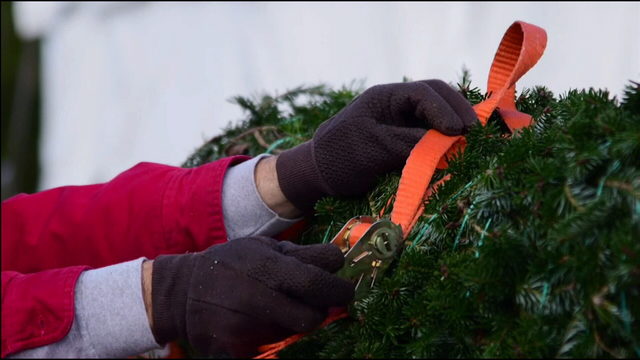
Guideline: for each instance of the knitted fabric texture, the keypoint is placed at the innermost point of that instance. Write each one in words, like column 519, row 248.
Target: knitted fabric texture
column 371, row 136
column 245, row 293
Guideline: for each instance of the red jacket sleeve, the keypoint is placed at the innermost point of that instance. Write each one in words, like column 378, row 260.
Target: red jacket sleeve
column 37, row 309
column 148, row 210
column 50, row 237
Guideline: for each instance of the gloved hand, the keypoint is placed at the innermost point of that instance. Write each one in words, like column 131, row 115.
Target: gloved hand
column 371, row 136
column 233, row 297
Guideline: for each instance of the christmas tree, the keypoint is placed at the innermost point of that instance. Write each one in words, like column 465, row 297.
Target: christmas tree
column 530, row 250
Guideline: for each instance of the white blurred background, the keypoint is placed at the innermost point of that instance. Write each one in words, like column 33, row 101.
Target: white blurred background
column 128, row 82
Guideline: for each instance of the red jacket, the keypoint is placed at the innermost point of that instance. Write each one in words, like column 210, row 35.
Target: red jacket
column 50, row 237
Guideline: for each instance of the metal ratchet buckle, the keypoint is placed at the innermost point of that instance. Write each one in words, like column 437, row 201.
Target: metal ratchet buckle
column 371, row 255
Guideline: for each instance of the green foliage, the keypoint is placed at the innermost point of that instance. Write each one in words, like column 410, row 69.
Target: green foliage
column 275, row 122
column 530, row 250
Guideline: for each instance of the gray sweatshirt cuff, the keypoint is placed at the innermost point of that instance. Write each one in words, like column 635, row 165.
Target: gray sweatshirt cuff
column 245, row 213
column 110, row 317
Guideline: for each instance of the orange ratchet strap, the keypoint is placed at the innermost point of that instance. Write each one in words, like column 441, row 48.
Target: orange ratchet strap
column 520, row 49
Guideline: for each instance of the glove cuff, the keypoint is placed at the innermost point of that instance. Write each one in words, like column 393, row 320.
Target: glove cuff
column 299, row 177
column 170, row 285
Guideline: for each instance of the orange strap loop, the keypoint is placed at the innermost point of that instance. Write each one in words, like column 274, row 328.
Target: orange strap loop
column 520, row 49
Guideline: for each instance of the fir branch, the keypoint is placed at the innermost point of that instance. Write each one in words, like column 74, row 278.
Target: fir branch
column 541, row 223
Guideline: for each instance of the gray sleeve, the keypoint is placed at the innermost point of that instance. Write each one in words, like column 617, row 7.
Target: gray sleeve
column 110, row 318
column 245, row 213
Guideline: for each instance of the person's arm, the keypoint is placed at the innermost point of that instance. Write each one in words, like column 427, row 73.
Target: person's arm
column 148, row 210
column 252, row 201
column 380, row 128
column 110, row 319
column 37, row 308
column 105, row 325
column 247, row 292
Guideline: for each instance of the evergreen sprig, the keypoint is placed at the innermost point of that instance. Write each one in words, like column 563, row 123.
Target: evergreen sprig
column 530, row 250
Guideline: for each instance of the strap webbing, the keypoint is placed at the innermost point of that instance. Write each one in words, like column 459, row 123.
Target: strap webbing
column 520, row 49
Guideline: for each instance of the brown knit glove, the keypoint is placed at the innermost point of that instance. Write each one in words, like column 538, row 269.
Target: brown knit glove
column 371, row 136
column 231, row 298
